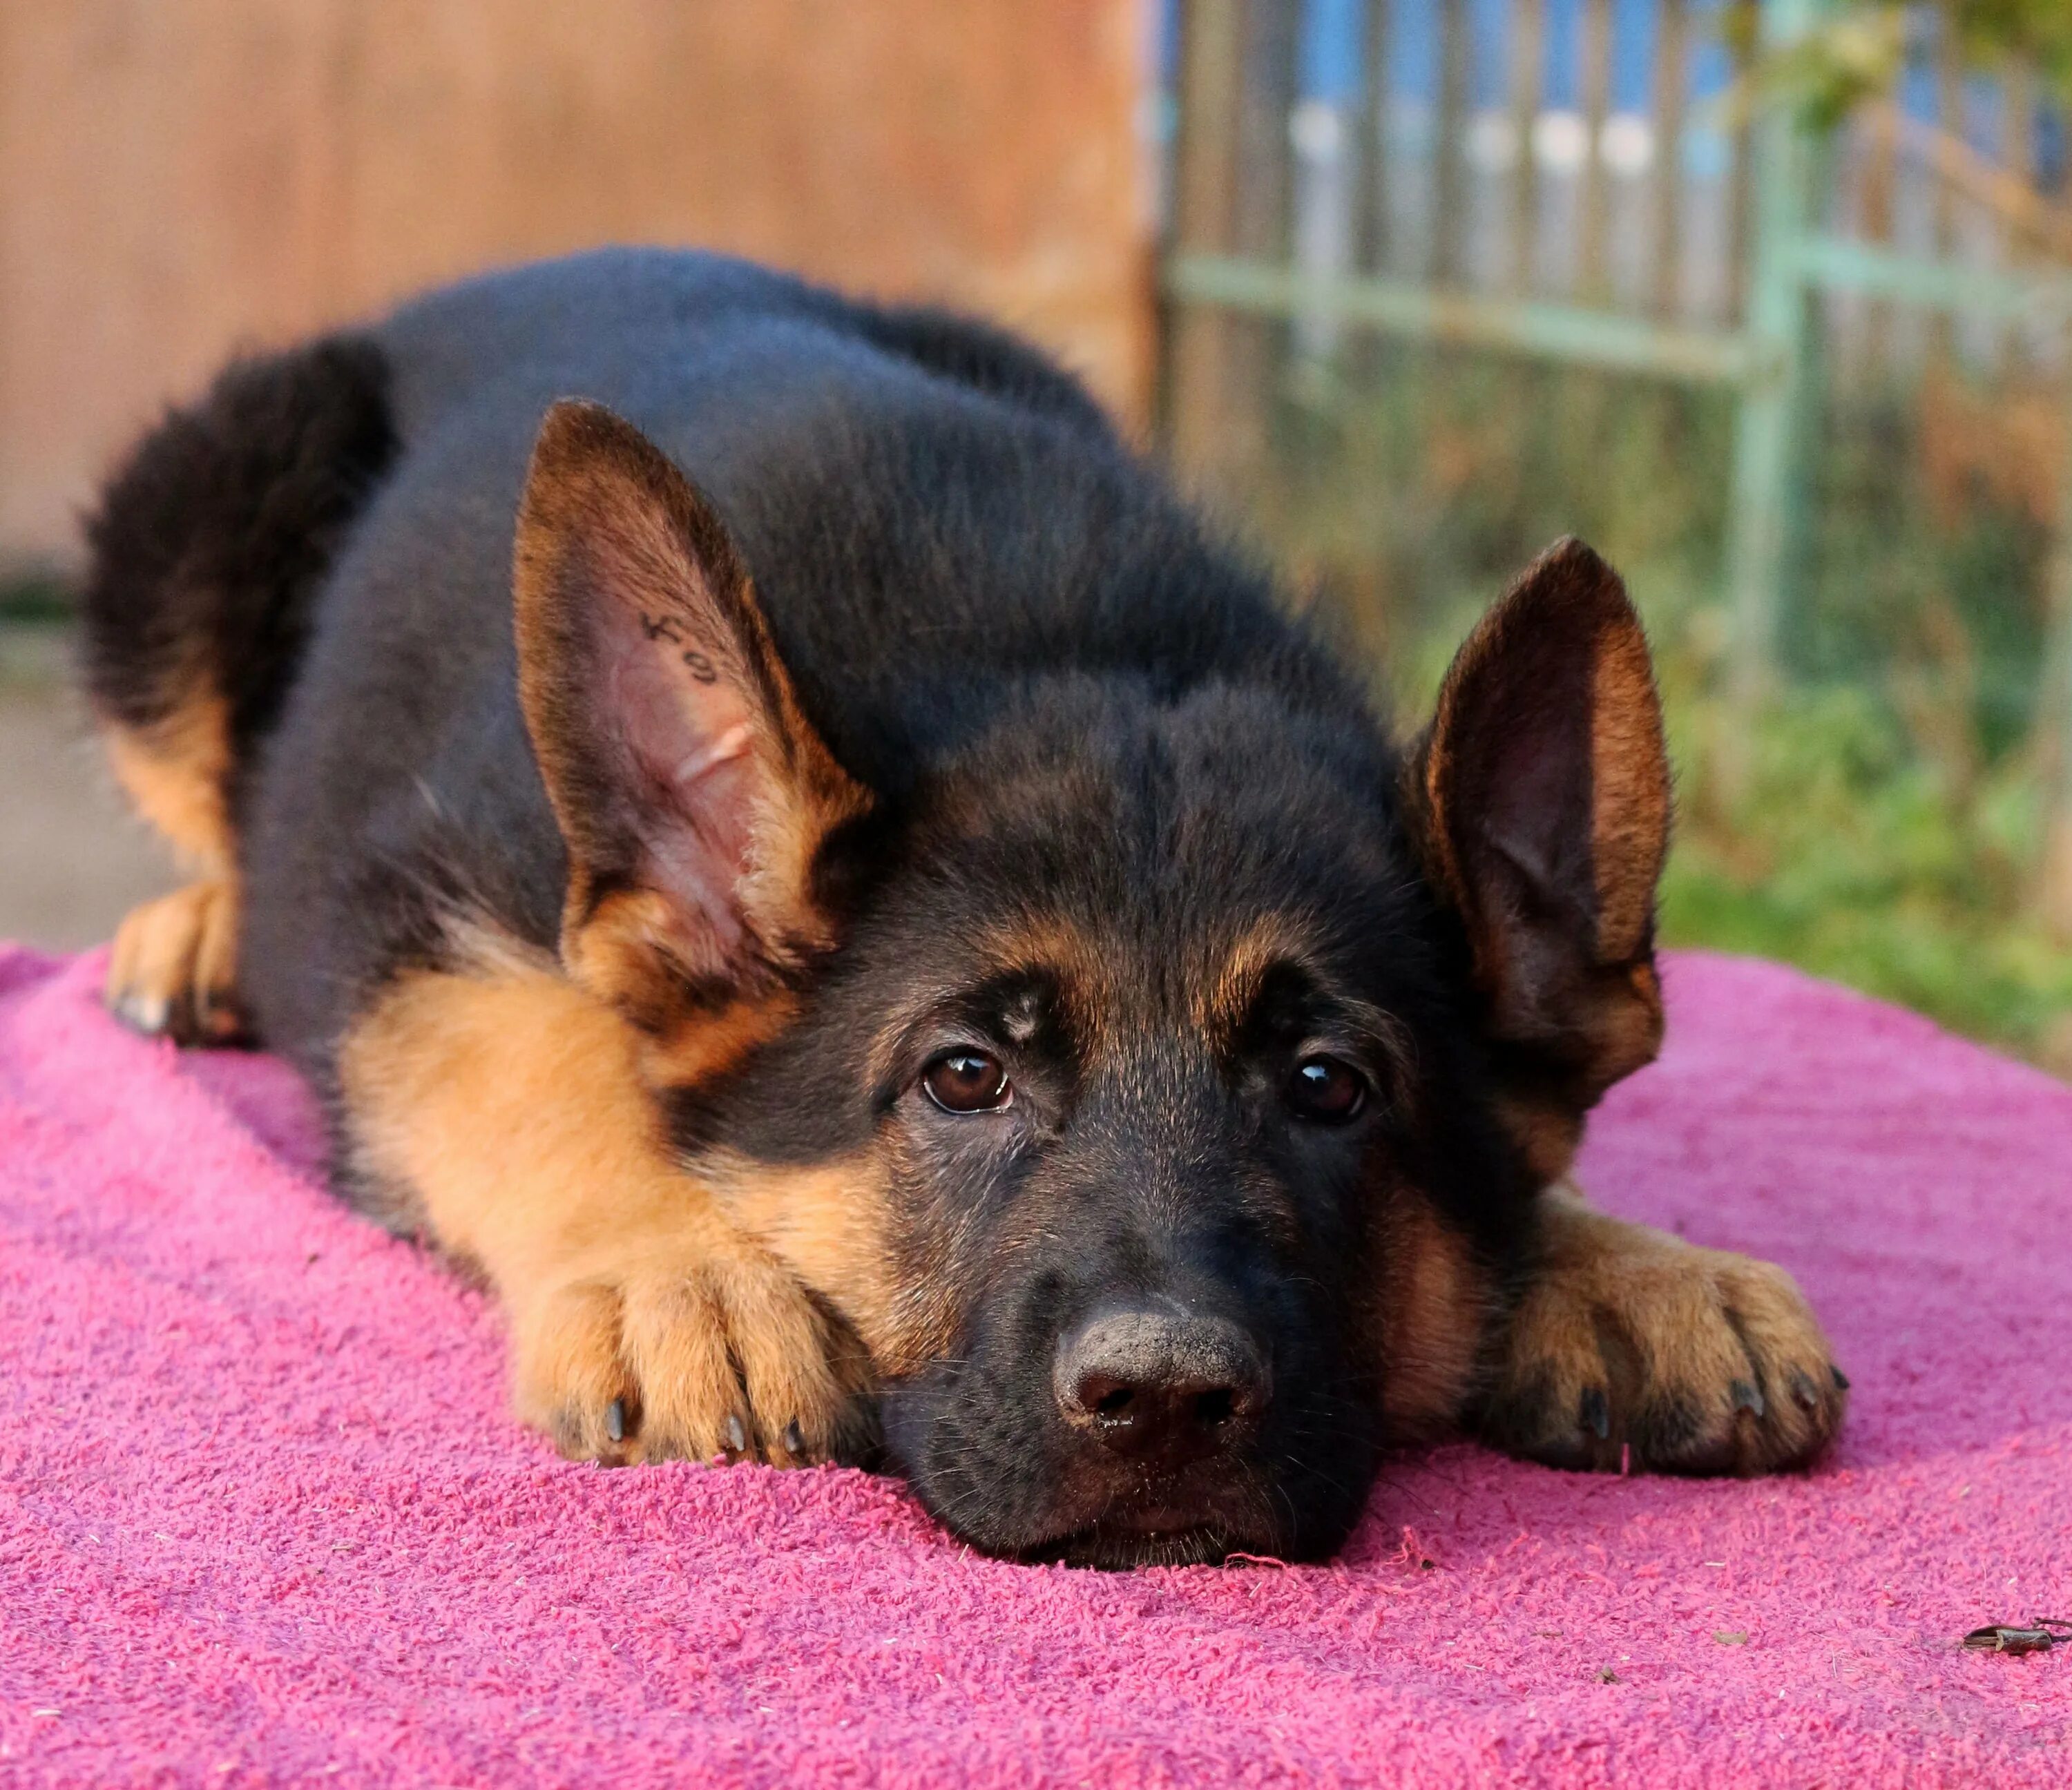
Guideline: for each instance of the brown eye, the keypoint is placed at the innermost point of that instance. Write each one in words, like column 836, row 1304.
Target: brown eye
column 1326, row 1091
column 966, row 1081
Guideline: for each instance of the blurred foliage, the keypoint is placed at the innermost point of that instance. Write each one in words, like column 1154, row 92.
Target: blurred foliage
column 1853, row 856
column 1885, row 829
column 34, row 594
column 1857, row 48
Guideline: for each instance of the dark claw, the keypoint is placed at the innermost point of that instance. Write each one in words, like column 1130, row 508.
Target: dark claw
column 795, row 1440
column 615, row 1420
column 1802, row 1389
column 1841, row 1379
column 1598, row 1414
column 736, row 1438
column 1747, row 1397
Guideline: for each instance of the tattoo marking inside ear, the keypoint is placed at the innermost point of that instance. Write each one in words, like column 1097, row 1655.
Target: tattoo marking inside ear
column 668, row 628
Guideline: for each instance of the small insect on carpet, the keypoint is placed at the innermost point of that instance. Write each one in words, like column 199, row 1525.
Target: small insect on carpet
column 263, row 1518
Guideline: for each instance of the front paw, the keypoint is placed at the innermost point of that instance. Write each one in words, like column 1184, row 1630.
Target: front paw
column 1631, row 1348
column 172, row 969
column 694, row 1353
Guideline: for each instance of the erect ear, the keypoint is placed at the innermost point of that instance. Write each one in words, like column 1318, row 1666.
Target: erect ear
column 693, row 794
column 1541, row 792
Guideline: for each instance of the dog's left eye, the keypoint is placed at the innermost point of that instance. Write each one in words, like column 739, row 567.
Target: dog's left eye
column 966, row 1081
column 1326, row 1091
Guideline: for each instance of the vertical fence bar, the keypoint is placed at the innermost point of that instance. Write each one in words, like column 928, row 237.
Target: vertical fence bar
column 1371, row 144
column 2018, row 156
column 2054, row 729
column 1880, row 152
column 1198, row 394
column 1265, row 209
column 1740, row 196
column 1450, row 224
column 1529, row 74
column 1763, row 524
column 1671, row 54
column 1265, row 106
column 2018, row 145
column 1950, row 120
column 1593, row 274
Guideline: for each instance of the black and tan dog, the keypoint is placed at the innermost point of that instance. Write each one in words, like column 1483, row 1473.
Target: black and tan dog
column 881, row 919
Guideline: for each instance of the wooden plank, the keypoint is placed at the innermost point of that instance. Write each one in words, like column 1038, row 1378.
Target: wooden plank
column 1672, row 80
column 1265, row 208
column 1592, row 268
column 1529, row 81
column 1880, row 141
column 1197, row 396
column 1205, row 156
column 1265, row 158
column 1450, row 195
column 1950, row 120
column 1370, row 243
column 1741, row 191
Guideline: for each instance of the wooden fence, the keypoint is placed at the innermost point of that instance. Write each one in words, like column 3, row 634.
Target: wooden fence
column 182, row 177
column 1592, row 183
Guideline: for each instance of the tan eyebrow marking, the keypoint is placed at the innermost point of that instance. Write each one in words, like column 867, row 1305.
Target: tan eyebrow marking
column 1037, row 944
column 1220, row 1007
column 1270, row 941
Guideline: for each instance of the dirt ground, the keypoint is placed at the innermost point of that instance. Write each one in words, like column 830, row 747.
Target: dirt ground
column 72, row 861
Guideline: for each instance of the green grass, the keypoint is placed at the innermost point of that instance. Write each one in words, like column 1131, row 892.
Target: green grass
column 33, row 598
column 1886, row 827
column 1851, row 855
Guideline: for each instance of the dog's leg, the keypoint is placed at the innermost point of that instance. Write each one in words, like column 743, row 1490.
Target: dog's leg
column 173, row 969
column 505, row 1114
column 207, row 550
column 1628, row 1346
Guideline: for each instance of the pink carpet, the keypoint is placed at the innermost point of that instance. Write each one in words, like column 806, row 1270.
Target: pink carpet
column 262, row 1517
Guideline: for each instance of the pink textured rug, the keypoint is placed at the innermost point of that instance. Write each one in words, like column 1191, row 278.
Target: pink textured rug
column 262, row 1518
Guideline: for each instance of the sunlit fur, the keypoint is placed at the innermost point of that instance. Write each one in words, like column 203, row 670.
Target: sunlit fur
column 622, row 988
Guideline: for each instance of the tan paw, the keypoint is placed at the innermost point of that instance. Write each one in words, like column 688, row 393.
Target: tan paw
column 173, row 972
column 1629, row 1346
column 676, row 1352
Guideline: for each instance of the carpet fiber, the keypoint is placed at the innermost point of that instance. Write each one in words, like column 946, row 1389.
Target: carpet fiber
column 263, row 1518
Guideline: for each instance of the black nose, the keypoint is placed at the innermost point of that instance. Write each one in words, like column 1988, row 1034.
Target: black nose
column 1161, row 1388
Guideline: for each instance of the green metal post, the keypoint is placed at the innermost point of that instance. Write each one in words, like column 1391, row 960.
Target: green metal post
column 1764, row 522
column 2054, row 729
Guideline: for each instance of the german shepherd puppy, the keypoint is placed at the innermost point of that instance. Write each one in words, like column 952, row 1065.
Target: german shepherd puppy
column 785, row 848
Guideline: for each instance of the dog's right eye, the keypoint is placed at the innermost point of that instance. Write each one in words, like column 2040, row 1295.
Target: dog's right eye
column 1325, row 1091
column 967, row 1082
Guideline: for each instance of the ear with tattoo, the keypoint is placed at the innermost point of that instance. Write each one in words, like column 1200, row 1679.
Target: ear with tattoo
column 1541, row 794
column 693, row 794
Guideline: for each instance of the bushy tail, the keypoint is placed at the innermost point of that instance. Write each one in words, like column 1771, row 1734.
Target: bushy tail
column 206, row 550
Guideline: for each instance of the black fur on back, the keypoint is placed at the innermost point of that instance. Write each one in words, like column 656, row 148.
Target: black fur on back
column 985, row 359
column 941, row 525
column 211, row 541
column 1071, row 701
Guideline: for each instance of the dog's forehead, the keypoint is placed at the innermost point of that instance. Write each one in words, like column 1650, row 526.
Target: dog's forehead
column 1116, row 965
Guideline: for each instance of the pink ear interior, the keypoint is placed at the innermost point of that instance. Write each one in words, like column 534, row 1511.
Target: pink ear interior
column 693, row 794
column 684, row 735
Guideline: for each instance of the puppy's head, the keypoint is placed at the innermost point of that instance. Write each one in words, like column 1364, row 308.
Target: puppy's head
column 1156, row 1082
